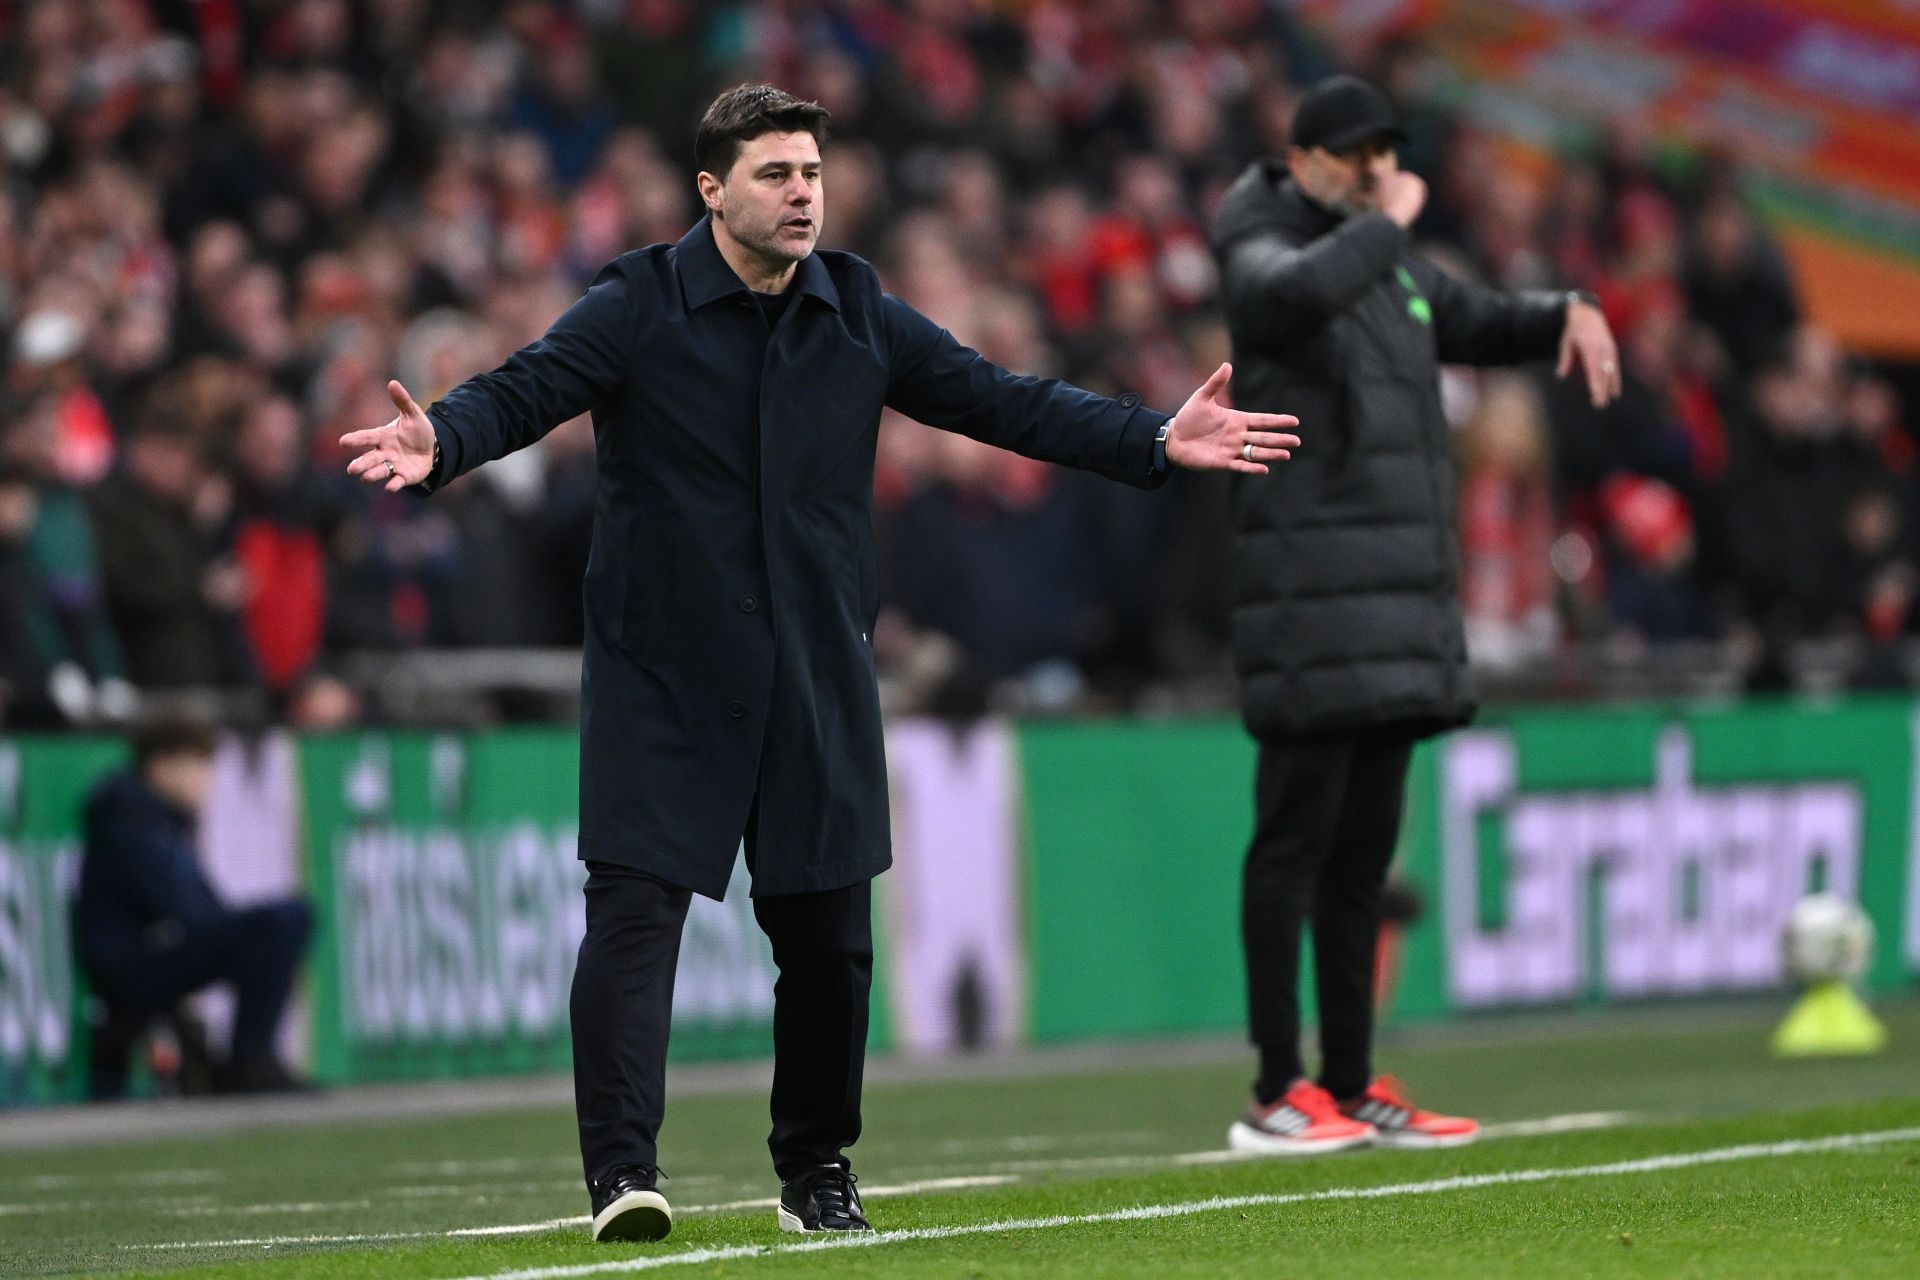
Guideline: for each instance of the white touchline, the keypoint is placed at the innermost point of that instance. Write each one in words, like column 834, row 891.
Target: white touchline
column 1575, row 1122
column 1580, row 1120
column 174, row 1205
column 550, row 1224
column 258, row 1210
column 146, row 1177
column 138, row 1178
column 373, row 1237
column 1142, row 1213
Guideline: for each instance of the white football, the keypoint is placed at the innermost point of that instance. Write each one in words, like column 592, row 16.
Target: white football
column 1827, row 937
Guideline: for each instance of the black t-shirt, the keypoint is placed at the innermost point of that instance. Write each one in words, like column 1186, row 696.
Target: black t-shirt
column 772, row 305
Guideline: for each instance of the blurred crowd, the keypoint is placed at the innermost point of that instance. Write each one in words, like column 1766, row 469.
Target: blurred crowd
column 224, row 224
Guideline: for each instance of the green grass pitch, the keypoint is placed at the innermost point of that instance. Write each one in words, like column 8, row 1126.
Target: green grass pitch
column 1694, row 1154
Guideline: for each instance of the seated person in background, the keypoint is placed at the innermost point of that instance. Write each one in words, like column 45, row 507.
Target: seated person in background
column 151, row 930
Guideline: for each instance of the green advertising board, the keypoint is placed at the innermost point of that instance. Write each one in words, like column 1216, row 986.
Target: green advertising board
column 1134, row 835
column 42, row 788
column 1620, row 854
column 444, row 869
column 1136, row 832
column 1565, row 857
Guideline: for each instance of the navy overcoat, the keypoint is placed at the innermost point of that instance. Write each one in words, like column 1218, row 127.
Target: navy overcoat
column 732, row 586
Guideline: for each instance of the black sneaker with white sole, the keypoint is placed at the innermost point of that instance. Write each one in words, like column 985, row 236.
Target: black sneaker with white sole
column 626, row 1206
column 822, row 1199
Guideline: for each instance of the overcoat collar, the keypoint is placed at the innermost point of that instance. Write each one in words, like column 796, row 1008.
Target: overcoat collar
column 705, row 276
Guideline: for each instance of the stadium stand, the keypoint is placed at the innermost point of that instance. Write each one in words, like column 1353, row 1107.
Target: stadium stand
column 224, row 224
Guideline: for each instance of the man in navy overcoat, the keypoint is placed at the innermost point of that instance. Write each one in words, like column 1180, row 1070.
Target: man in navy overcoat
column 736, row 380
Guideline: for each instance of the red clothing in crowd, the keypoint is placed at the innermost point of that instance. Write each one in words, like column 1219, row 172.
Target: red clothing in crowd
column 1506, row 535
column 286, row 607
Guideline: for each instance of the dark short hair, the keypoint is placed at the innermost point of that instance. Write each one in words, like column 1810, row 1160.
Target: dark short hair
column 171, row 733
column 742, row 114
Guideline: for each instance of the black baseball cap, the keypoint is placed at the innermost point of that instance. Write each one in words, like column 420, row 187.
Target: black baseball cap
column 1342, row 112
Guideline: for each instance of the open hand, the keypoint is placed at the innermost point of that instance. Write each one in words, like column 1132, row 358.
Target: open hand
column 1588, row 342
column 398, row 454
column 1209, row 436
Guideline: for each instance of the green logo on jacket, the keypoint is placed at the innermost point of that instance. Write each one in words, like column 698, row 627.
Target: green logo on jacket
column 1416, row 304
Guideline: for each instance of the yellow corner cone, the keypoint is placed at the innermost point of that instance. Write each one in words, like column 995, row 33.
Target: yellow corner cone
column 1829, row 1019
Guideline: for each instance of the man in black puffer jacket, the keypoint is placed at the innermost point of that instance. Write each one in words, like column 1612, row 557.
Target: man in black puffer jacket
column 1346, row 624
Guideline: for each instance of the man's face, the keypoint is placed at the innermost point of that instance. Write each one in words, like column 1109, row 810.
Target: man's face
column 771, row 200
column 183, row 778
column 1348, row 181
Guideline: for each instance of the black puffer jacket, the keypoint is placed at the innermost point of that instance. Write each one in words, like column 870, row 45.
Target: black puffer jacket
column 1346, row 605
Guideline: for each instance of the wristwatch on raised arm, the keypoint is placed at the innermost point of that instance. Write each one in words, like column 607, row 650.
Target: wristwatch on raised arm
column 1587, row 296
column 1160, row 464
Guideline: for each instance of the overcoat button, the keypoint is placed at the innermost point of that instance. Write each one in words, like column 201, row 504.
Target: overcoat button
column 748, row 604
column 736, row 710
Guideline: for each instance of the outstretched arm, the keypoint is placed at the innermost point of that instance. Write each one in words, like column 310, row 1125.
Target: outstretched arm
column 1477, row 325
column 937, row 381
column 577, row 364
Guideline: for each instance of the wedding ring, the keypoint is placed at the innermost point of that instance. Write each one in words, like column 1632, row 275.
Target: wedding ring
column 1246, row 451
column 389, row 468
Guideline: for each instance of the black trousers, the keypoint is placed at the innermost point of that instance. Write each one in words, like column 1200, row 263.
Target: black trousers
column 623, row 1004
column 1328, row 817
column 257, row 950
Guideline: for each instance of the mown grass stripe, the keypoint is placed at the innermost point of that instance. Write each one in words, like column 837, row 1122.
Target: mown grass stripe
column 1142, row 1213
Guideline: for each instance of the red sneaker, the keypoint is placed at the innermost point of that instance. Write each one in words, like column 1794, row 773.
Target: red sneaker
column 1398, row 1123
column 1304, row 1121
